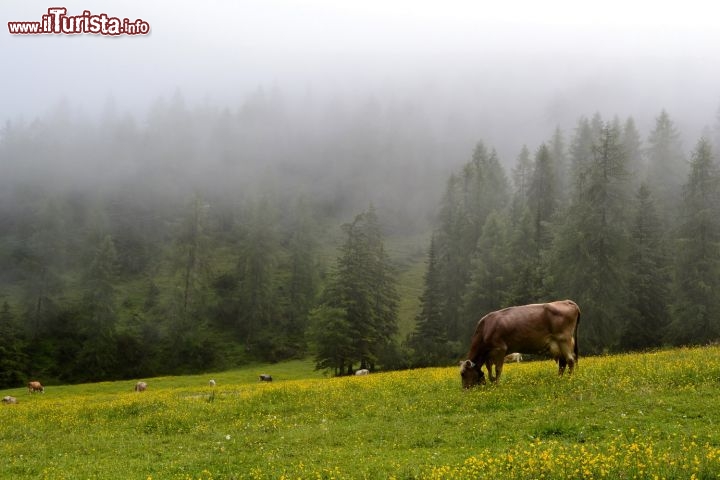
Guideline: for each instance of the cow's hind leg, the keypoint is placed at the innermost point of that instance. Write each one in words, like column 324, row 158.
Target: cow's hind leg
column 566, row 359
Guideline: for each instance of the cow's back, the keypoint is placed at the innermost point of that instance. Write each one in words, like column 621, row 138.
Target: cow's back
column 533, row 328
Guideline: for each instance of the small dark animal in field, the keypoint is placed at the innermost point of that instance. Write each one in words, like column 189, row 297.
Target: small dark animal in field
column 9, row 399
column 540, row 328
column 35, row 386
column 363, row 371
column 140, row 386
column 265, row 377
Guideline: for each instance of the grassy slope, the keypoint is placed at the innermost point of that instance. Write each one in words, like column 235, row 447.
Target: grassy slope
column 619, row 416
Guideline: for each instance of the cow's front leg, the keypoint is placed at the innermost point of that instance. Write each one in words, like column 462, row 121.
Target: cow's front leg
column 488, row 366
column 498, row 369
column 496, row 358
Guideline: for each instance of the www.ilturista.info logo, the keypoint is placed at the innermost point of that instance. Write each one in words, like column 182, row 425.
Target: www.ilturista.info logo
column 57, row 22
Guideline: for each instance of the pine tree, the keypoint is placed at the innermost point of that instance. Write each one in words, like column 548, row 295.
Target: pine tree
column 521, row 174
column 490, row 280
column 470, row 198
column 429, row 340
column 593, row 242
column 696, row 309
column 363, row 288
column 558, row 154
column 666, row 166
column 648, row 280
column 12, row 356
column 98, row 357
column 301, row 285
column 581, row 158
column 257, row 285
column 331, row 337
column 533, row 236
column 632, row 145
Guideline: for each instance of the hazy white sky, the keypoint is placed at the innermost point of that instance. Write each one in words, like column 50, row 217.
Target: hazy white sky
column 222, row 48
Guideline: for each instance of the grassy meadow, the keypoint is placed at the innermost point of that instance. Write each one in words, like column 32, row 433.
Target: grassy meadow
column 651, row 415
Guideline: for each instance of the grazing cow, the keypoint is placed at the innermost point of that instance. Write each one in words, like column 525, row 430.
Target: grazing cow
column 35, row 387
column 265, row 377
column 541, row 328
column 363, row 371
column 140, row 386
column 212, row 383
column 514, row 357
column 9, row 399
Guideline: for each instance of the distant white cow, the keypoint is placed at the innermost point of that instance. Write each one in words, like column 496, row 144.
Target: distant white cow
column 212, row 383
column 265, row 377
column 9, row 399
column 513, row 357
column 363, row 371
column 140, row 386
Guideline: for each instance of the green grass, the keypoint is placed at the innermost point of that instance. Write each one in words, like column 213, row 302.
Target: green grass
column 625, row 416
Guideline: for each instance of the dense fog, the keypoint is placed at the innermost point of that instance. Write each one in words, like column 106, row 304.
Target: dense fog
column 196, row 177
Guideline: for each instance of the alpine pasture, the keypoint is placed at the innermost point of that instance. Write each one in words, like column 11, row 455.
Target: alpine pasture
column 649, row 415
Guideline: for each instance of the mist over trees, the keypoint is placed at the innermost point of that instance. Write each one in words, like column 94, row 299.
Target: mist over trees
column 627, row 230
column 202, row 238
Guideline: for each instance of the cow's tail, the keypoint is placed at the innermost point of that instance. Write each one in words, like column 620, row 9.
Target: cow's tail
column 576, row 350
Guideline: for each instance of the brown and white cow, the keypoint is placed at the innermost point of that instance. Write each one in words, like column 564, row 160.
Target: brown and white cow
column 140, row 386
column 9, row 400
column 35, row 387
column 539, row 328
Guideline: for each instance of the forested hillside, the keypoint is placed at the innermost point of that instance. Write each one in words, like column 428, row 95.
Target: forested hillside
column 629, row 228
column 194, row 238
column 200, row 239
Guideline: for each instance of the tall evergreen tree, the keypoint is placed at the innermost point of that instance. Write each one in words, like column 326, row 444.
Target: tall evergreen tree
column 558, row 153
column 471, row 197
column 632, row 145
column 257, row 285
column 521, row 174
column 490, row 279
column 532, row 235
column 429, row 340
column 581, row 158
column 98, row 357
column 363, row 288
column 696, row 309
column 648, row 280
column 301, row 285
column 666, row 166
column 12, row 356
column 593, row 240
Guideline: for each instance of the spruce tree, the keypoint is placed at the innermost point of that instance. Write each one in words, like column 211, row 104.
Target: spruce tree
column 12, row 356
column 558, row 154
column 490, row 279
column 666, row 167
column 98, row 359
column 363, row 289
column 429, row 340
column 648, row 279
column 632, row 145
column 590, row 247
column 257, row 281
column 696, row 309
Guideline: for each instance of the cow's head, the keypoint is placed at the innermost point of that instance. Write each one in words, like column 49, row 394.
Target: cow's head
column 471, row 374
